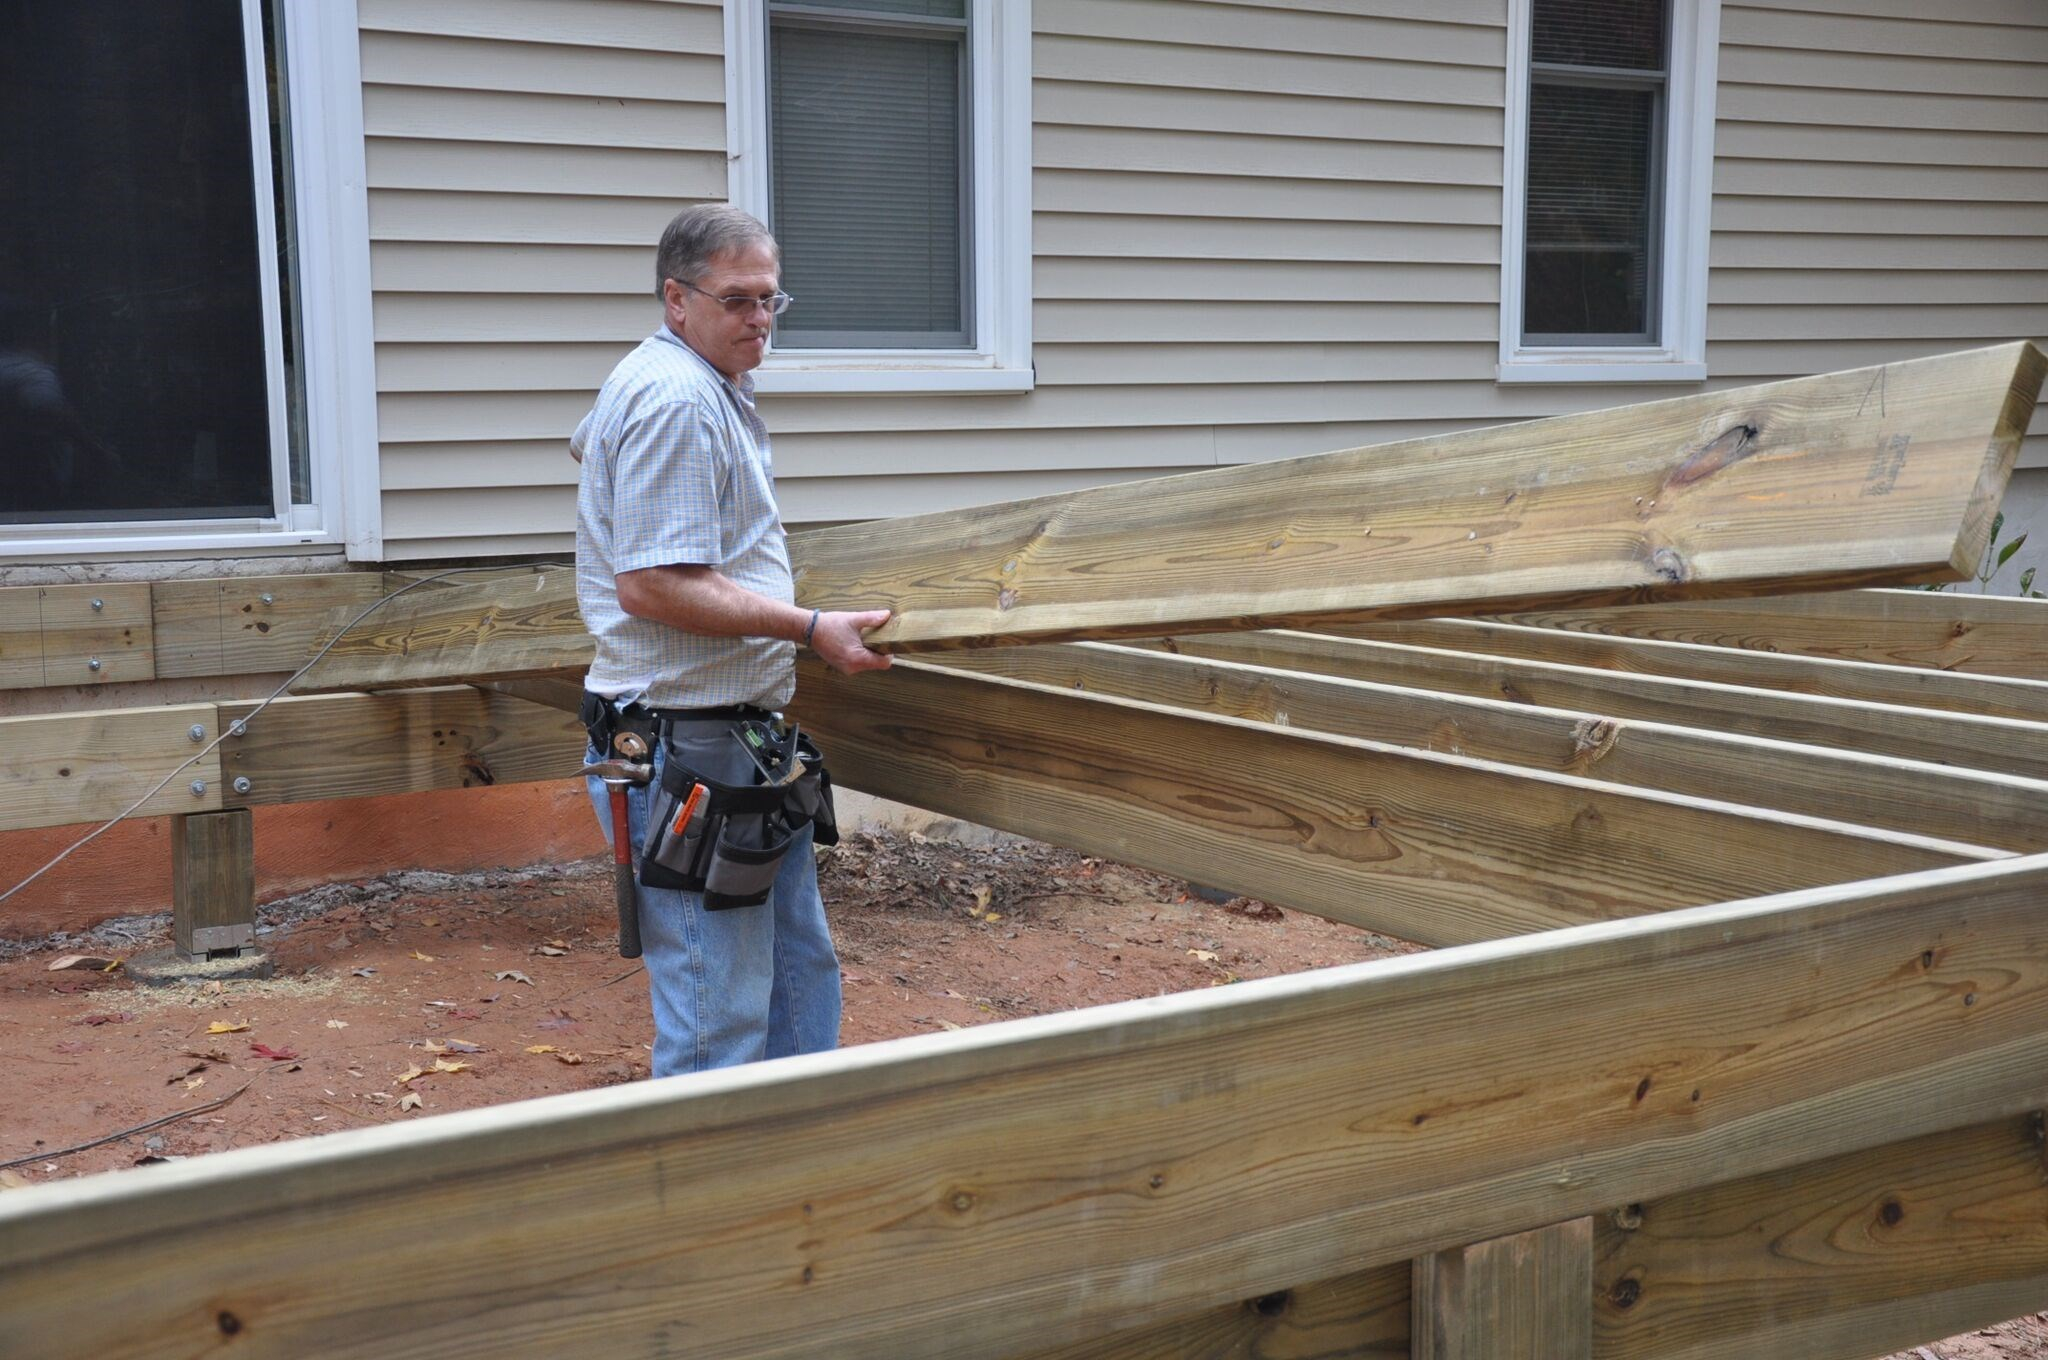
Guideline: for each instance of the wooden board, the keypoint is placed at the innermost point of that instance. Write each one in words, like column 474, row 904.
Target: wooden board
column 53, row 635
column 250, row 624
column 1528, row 1296
column 1434, row 848
column 997, row 1191
column 60, row 768
column 1949, row 630
column 1864, row 682
column 1843, row 1259
column 1878, row 475
column 2002, row 745
column 500, row 628
column 213, row 880
column 1912, row 796
column 1361, row 1316
column 355, row 745
column 1886, row 474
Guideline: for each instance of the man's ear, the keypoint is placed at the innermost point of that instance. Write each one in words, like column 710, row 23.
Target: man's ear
column 672, row 299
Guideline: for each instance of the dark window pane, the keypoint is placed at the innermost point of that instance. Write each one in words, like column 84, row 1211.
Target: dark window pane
column 867, row 184
column 1618, row 33
column 131, row 327
column 1588, row 229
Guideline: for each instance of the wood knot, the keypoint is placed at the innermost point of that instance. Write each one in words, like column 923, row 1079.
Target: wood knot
column 1891, row 1213
column 1725, row 449
column 1592, row 740
column 1626, row 1292
column 1006, row 598
column 1667, row 563
column 1628, row 1217
column 1274, row 1304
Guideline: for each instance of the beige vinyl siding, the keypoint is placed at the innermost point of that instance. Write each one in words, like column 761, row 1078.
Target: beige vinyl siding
column 1261, row 228
column 522, row 158
column 1880, row 184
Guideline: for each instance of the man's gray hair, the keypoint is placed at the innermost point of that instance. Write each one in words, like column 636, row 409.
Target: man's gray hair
column 697, row 236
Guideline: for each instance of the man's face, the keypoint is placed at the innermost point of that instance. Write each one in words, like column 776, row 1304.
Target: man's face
column 733, row 342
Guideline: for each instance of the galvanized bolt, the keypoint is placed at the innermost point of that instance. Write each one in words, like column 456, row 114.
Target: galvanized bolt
column 199, row 788
column 238, row 728
column 267, row 599
column 99, row 604
column 93, row 664
column 196, row 732
column 242, row 784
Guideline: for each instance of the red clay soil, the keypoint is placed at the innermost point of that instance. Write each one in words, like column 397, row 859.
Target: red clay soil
column 419, row 994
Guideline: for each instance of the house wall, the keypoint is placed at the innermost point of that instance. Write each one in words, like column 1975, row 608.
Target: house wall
column 1260, row 230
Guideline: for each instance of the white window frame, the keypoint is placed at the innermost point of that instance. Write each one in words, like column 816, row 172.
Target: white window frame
column 1688, row 161
column 999, row 37
column 324, row 80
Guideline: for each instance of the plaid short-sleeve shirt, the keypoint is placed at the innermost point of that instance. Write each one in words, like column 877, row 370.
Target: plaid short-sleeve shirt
column 677, row 472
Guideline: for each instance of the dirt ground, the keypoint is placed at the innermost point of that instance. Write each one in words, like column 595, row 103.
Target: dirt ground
column 422, row 993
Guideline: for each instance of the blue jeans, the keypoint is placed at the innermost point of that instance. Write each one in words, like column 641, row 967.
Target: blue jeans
column 738, row 985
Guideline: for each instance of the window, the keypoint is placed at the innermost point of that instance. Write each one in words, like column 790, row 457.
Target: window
column 1610, row 152
column 887, row 144
column 154, row 387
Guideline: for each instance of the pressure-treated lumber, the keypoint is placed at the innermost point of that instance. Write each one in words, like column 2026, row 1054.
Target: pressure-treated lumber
column 1360, row 1316
column 1862, row 681
column 353, row 745
column 1842, row 1259
column 997, row 1191
column 1527, row 1296
column 1912, row 796
column 1885, row 474
column 1968, row 634
column 250, row 624
column 60, row 768
column 213, row 882
column 1878, row 475
column 1434, row 848
column 2003, row 745
column 74, row 634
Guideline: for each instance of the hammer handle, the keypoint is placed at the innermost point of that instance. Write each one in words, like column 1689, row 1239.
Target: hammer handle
column 623, row 888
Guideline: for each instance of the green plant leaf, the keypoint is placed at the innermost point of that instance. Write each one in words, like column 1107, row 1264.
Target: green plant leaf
column 2027, row 580
column 2005, row 553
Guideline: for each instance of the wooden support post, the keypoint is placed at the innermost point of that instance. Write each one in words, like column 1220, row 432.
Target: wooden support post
column 213, row 883
column 1524, row 1297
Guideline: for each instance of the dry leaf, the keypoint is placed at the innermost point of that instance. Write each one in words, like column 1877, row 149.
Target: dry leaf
column 228, row 1027
column 443, row 1065
column 514, row 975
column 549, row 950
column 210, row 1055
column 540, row 1048
column 570, row 1059
column 274, row 1054
column 71, row 961
column 982, row 894
column 195, row 1083
column 410, row 1074
column 559, row 944
column 949, row 1024
column 431, row 921
column 410, row 1101
column 109, row 1018
column 992, row 917
column 14, row 1180
column 423, row 958
column 464, row 1046
column 337, row 1024
column 364, row 972
column 1205, row 955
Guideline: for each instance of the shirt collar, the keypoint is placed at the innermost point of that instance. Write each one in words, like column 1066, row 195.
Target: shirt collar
column 743, row 389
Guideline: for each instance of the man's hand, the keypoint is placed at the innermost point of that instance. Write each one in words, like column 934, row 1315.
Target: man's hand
column 837, row 641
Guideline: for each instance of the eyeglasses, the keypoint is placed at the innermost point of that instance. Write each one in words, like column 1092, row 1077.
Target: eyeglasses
column 739, row 304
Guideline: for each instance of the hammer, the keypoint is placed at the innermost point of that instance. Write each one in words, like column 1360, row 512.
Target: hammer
column 618, row 776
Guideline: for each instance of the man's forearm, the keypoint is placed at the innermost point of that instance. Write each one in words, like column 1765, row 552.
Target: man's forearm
column 703, row 601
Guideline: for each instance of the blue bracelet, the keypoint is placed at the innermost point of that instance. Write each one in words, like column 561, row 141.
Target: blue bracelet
column 811, row 627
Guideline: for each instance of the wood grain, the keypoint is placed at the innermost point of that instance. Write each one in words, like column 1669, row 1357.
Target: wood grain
column 1434, row 848
column 997, row 1191
column 1361, row 1316
column 249, row 624
column 52, row 635
column 1841, row 1259
column 2002, row 745
column 1864, row 682
column 356, row 745
column 501, row 628
column 1527, row 1296
column 1916, row 797
column 1967, row 634
column 60, row 768
column 213, row 875
column 1878, row 475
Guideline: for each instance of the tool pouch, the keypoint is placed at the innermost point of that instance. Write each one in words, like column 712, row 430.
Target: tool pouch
column 730, row 843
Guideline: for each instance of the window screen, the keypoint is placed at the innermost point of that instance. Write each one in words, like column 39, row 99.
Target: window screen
column 868, row 124
column 132, row 344
column 1595, row 175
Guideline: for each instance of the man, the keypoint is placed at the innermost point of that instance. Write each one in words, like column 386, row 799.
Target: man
column 682, row 576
